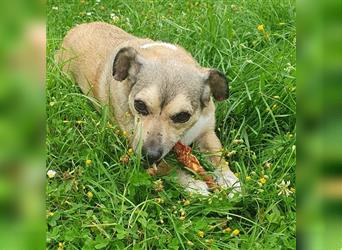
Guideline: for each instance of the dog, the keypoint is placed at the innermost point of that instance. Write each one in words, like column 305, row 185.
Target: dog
column 155, row 90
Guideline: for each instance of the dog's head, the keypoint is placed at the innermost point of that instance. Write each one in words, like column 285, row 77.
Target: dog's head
column 167, row 98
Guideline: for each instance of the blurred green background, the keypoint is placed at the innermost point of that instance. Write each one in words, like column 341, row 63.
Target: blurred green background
column 319, row 171
column 22, row 156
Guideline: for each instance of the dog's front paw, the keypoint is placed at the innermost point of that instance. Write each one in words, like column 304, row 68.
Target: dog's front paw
column 225, row 178
column 192, row 185
column 197, row 187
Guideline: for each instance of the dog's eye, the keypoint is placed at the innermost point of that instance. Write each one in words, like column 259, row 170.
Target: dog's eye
column 181, row 117
column 140, row 107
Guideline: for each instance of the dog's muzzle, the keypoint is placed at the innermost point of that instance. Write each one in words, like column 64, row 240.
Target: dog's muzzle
column 153, row 154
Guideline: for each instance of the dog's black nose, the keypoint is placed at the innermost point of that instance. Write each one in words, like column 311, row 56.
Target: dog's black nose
column 153, row 155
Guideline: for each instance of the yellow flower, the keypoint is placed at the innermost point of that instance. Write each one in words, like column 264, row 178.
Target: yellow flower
column 276, row 97
column 51, row 173
column 124, row 133
column 262, row 180
column 130, row 151
column 182, row 217
column 200, row 234
column 186, row 202
column 237, row 174
column 88, row 162
column 228, row 230
column 274, row 106
column 261, row 28
column 248, row 178
column 60, row 246
column 49, row 214
column 236, row 232
column 182, row 212
column 190, row 243
column 159, row 200
column 90, row 195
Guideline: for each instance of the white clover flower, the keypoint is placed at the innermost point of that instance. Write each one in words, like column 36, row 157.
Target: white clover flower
column 289, row 68
column 51, row 173
column 55, row 8
column 284, row 188
column 234, row 7
column 88, row 13
column 98, row 1
column 114, row 17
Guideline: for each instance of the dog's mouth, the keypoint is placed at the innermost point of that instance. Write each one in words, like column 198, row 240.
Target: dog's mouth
column 147, row 164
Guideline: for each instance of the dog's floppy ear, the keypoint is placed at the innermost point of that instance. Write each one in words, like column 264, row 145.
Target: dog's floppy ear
column 126, row 64
column 218, row 85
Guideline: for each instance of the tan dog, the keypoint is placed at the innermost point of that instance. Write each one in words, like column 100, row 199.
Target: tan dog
column 156, row 91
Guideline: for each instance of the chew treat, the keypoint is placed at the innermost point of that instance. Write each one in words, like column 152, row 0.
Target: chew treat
column 190, row 161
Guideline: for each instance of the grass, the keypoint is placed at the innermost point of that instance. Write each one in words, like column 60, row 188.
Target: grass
column 105, row 204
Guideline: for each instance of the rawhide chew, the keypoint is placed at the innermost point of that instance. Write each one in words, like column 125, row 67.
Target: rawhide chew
column 184, row 156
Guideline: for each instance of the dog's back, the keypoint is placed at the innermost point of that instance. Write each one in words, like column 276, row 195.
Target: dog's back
column 87, row 49
column 82, row 57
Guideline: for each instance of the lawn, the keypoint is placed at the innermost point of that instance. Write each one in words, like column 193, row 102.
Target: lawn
column 96, row 201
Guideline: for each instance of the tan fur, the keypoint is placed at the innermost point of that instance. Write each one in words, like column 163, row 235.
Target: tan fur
column 87, row 54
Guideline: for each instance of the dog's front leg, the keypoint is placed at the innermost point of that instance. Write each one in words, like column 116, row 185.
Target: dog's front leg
column 210, row 144
column 186, row 180
column 190, row 184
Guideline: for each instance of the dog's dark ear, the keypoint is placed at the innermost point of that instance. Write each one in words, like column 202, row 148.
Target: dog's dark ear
column 126, row 64
column 218, row 85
